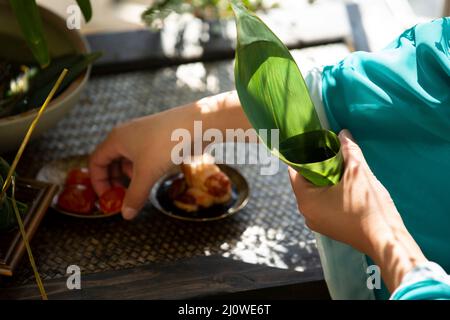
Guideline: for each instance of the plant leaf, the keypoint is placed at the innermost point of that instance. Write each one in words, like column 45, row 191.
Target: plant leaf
column 7, row 217
column 45, row 79
column 4, row 168
column 86, row 9
column 274, row 95
column 29, row 19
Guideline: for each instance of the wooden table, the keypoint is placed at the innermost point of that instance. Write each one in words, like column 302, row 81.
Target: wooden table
column 154, row 257
column 196, row 278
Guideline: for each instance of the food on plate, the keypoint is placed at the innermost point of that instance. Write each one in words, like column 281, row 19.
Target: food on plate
column 193, row 199
column 203, row 185
column 111, row 200
column 79, row 197
column 79, row 176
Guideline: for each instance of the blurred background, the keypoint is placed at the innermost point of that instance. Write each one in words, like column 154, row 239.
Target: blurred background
column 383, row 19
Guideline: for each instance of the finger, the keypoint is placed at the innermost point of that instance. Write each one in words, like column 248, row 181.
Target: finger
column 351, row 152
column 115, row 170
column 99, row 161
column 116, row 175
column 137, row 193
column 346, row 134
column 299, row 184
column 127, row 168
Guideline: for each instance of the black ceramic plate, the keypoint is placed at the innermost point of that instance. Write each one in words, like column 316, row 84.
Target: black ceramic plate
column 239, row 197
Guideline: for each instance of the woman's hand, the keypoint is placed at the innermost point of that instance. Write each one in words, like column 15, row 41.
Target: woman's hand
column 360, row 212
column 141, row 148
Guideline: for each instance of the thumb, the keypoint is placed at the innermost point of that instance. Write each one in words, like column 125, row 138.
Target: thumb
column 137, row 193
column 299, row 184
column 351, row 152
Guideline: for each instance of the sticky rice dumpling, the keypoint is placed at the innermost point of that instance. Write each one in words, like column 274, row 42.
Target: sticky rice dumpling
column 203, row 185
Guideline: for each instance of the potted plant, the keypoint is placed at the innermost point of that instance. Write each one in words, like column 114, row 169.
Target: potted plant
column 210, row 12
column 206, row 10
column 39, row 46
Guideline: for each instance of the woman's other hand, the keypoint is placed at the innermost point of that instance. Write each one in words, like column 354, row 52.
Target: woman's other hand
column 360, row 212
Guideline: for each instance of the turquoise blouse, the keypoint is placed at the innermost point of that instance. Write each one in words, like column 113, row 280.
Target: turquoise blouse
column 396, row 103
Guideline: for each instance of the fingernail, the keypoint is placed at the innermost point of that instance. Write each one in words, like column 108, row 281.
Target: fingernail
column 291, row 171
column 129, row 213
column 346, row 134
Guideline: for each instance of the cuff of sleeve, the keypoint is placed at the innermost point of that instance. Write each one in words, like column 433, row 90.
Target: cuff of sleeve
column 425, row 271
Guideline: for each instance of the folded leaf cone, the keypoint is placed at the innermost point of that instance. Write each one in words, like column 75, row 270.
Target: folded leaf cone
column 274, row 95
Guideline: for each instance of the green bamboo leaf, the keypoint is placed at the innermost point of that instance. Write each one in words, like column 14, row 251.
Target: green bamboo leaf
column 86, row 9
column 45, row 79
column 4, row 168
column 7, row 216
column 6, row 213
column 274, row 95
column 28, row 17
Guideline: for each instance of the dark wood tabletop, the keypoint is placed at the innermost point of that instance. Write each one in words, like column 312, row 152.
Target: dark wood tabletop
column 195, row 278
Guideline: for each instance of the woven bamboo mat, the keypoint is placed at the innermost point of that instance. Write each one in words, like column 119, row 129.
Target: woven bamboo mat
column 268, row 231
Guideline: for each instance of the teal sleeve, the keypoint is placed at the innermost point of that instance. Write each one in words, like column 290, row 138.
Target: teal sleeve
column 396, row 103
column 429, row 289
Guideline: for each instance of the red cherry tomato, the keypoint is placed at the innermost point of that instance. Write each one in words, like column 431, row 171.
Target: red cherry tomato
column 78, row 176
column 77, row 199
column 111, row 200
